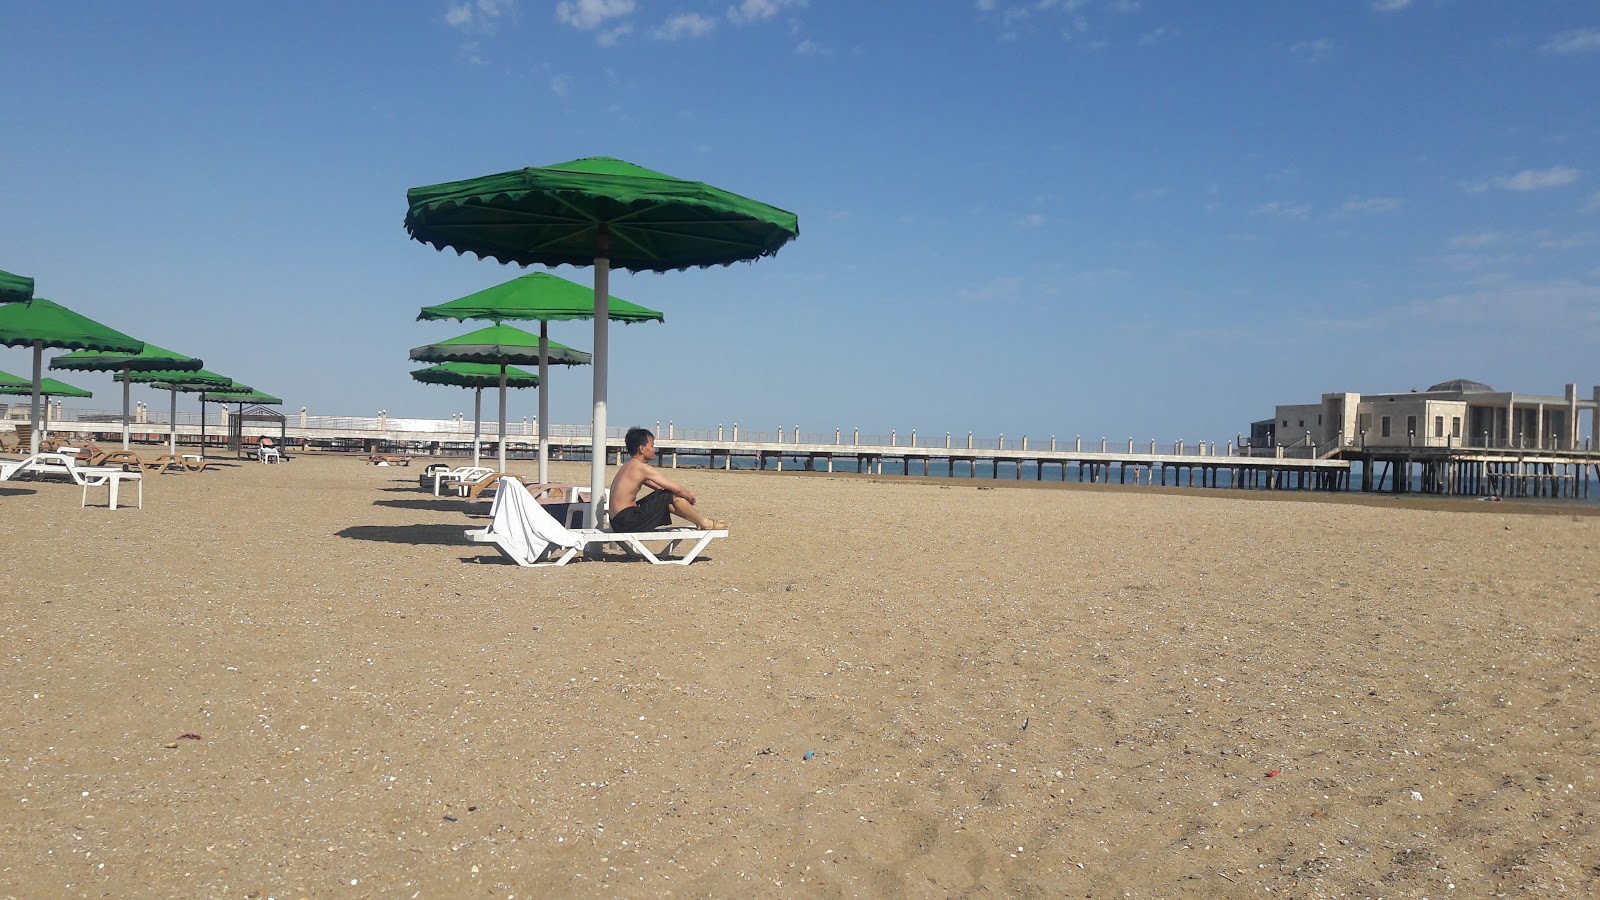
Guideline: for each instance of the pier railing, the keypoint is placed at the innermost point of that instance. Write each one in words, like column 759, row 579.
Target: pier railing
column 458, row 428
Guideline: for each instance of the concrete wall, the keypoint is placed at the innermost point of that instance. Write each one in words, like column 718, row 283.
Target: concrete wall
column 1294, row 421
column 1436, row 422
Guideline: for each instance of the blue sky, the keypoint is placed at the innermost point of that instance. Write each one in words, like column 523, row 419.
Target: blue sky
column 1150, row 219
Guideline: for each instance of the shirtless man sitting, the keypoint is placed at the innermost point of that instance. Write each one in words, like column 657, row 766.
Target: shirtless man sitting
column 631, row 514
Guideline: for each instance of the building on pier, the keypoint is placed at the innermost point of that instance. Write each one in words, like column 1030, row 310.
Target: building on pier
column 1456, row 413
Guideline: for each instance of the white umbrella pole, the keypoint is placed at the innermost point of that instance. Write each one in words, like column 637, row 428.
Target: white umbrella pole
column 502, row 417
column 544, row 400
column 477, row 426
column 127, row 384
column 602, row 312
column 173, row 428
column 38, row 374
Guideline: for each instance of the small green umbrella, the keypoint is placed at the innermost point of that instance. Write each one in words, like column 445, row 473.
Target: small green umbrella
column 600, row 210
column 42, row 323
column 48, row 387
column 545, row 298
column 177, row 382
column 501, row 346
column 478, row 376
column 9, row 380
column 237, row 393
column 151, row 358
column 15, row 287
column 259, row 398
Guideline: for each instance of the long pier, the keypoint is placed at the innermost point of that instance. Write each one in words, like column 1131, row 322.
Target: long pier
column 1458, row 471
column 1477, row 471
column 1194, row 465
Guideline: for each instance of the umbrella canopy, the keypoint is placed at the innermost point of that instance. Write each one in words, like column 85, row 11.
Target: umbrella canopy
column 603, row 210
column 537, row 296
column 501, row 346
column 178, row 381
column 151, row 358
column 41, row 320
column 15, row 287
column 546, row 298
column 477, row 376
column 48, row 387
column 555, row 215
column 245, row 395
column 9, row 380
column 42, row 323
column 236, row 393
column 474, row 375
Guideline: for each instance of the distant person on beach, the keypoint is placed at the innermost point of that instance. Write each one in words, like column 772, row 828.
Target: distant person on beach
column 632, row 514
column 264, row 442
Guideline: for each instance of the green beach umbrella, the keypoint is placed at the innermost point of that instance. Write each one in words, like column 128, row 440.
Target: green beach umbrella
column 501, row 346
column 178, row 381
column 48, row 387
column 237, row 393
column 151, row 358
column 42, row 323
column 545, row 298
column 477, row 376
column 258, row 398
column 15, row 287
column 602, row 211
column 9, row 380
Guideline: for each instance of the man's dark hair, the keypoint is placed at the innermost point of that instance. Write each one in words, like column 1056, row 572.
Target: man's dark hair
column 636, row 439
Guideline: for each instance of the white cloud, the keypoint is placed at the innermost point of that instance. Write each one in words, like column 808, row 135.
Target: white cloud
column 685, row 25
column 1480, row 239
column 985, row 5
column 1370, row 204
column 478, row 15
column 587, row 14
column 561, row 85
column 1390, row 5
column 1033, row 220
column 1570, row 242
column 1154, row 35
column 1530, row 180
column 609, row 37
column 811, row 48
column 998, row 289
column 1276, row 210
column 1308, row 52
column 751, row 11
column 1584, row 40
column 1484, row 302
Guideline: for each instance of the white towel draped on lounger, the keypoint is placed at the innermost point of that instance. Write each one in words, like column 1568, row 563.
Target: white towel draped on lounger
column 523, row 526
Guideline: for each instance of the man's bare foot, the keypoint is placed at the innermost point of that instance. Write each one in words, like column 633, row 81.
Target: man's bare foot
column 716, row 525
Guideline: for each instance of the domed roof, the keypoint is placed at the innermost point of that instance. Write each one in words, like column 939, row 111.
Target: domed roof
column 1462, row 385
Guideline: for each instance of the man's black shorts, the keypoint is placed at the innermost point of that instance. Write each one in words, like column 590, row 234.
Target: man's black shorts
column 652, row 511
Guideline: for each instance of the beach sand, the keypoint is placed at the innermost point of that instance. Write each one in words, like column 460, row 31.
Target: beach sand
column 1029, row 691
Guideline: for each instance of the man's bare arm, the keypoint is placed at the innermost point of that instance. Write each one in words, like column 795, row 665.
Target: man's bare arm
column 660, row 482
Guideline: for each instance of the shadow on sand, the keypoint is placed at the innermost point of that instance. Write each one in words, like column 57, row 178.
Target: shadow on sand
column 405, row 534
column 442, row 504
column 9, row 491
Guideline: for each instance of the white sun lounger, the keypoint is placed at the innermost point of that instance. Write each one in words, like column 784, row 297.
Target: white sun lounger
column 41, row 464
column 459, row 479
column 529, row 536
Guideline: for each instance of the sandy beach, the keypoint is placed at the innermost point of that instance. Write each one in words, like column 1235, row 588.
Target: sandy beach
column 301, row 681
